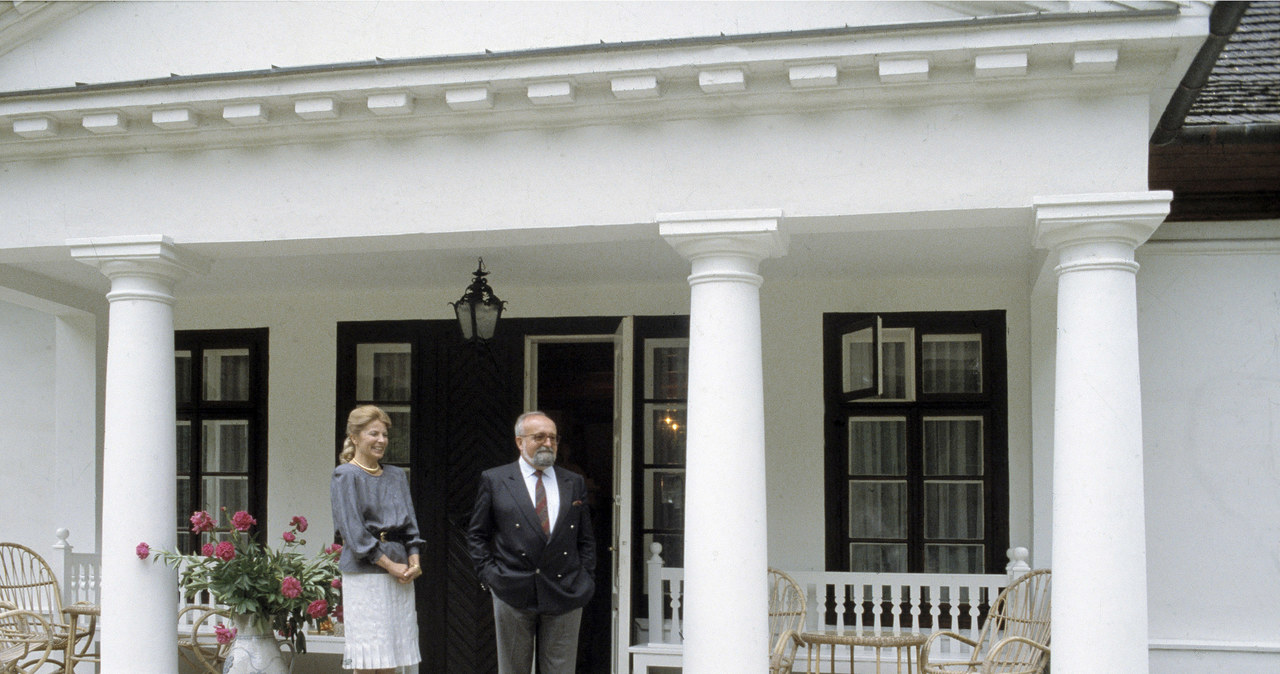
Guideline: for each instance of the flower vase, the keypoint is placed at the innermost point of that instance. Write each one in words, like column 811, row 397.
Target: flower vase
column 254, row 650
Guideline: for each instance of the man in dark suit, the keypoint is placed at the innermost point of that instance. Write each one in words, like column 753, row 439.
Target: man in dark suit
column 531, row 541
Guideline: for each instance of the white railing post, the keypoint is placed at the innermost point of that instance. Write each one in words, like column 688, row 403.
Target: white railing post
column 653, row 582
column 68, row 573
column 1018, row 565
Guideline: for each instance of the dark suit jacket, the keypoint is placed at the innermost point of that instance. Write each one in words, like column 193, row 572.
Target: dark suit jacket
column 522, row 566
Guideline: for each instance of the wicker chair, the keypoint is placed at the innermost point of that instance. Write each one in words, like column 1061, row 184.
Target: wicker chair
column 201, row 648
column 28, row 584
column 1015, row 637
column 786, row 620
column 20, row 631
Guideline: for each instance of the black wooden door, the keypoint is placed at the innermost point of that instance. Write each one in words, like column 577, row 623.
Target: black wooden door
column 465, row 399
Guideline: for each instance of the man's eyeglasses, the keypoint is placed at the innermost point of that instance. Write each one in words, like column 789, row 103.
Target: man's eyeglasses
column 543, row 437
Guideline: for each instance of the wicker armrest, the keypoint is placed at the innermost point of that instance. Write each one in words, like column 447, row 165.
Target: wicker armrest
column 928, row 646
column 18, row 638
column 784, row 653
column 83, row 608
column 202, row 650
column 993, row 655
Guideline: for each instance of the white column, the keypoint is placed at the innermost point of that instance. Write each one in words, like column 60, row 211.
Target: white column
column 139, row 598
column 1099, row 532
column 726, row 604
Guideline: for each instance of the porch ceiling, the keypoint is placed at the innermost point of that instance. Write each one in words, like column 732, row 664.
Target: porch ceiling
column 938, row 244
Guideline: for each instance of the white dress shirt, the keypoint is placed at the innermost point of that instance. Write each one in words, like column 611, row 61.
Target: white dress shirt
column 549, row 485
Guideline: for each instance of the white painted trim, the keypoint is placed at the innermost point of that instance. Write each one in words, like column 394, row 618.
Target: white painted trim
column 1211, row 247
column 1211, row 645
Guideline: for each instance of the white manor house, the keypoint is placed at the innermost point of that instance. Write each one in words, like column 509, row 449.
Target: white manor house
column 828, row 287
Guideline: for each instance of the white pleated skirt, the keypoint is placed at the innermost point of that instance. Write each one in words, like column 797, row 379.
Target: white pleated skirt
column 380, row 620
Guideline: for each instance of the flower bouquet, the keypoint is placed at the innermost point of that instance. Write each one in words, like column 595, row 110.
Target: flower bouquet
column 279, row 590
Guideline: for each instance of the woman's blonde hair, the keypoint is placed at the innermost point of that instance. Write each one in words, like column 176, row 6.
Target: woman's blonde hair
column 356, row 421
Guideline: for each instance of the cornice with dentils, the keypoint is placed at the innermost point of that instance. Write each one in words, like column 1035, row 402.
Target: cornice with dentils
column 982, row 59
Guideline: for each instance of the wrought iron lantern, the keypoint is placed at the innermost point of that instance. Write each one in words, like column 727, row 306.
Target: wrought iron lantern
column 478, row 309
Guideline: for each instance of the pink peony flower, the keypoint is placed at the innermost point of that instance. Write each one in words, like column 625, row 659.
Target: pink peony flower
column 299, row 522
column 225, row 635
column 143, row 550
column 242, row 520
column 334, row 549
column 290, row 587
column 201, row 522
column 289, row 537
column 318, row 609
column 207, row 549
column 337, row 613
column 225, row 550
column 336, row 583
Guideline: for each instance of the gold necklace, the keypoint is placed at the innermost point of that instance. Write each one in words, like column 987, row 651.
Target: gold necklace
column 371, row 471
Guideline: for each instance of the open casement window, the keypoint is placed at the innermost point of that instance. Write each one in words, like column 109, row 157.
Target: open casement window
column 221, row 388
column 916, row 442
column 861, row 361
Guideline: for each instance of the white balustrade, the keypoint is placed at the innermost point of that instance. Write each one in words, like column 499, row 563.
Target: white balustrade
column 81, row 572
column 876, row 603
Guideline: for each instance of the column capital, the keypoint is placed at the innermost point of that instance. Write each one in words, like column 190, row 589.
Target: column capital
column 744, row 233
column 152, row 255
column 1127, row 218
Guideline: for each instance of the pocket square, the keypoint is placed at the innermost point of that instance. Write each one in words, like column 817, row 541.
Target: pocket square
column 577, row 503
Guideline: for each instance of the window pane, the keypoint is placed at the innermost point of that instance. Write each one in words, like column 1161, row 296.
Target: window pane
column 895, row 370
column 952, row 510
column 226, row 446
column 878, row 557
column 399, row 434
column 184, row 447
column 897, row 356
column 665, row 441
column 384, row 372
column 953, row 446
column 229, row 492
column 877, row 446
column 182, row 375
column 878, row 509
column 954, row 558
column 664, row 499
column 226, row 374
column 667, row 366
column 858, row 362
column 951, row 363
column 184, row 504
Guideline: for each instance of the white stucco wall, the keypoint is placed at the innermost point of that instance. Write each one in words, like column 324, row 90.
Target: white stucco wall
column 27, row 394
column 1209, row 321
column 48, row 389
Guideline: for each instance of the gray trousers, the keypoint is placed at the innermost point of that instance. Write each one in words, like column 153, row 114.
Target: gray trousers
column 519, row 632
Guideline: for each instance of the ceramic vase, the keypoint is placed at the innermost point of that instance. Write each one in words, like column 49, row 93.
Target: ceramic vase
column 254, row 650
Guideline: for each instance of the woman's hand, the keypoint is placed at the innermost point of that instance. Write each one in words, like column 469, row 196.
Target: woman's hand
column 403, row 573
column 407, row 573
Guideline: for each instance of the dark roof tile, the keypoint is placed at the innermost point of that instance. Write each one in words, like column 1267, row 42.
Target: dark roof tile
column 1244, row 87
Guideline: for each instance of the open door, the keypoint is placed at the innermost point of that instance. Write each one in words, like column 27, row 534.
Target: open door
column 623, row 350
column 560, row 371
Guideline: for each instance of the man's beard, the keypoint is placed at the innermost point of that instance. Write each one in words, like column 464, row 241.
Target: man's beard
column 544, row 458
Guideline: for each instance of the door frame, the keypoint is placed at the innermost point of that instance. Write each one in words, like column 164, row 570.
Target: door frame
column 620, row 547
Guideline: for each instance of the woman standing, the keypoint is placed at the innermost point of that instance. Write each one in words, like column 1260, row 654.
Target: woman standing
column 373, row 512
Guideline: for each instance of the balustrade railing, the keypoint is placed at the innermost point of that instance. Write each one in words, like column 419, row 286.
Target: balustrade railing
column 81, row 572
column 839, row 601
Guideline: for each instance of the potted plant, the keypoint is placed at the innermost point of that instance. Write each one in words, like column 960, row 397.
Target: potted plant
column 267, row 591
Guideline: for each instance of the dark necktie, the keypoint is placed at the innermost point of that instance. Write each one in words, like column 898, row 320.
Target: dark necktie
column 540, row 504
